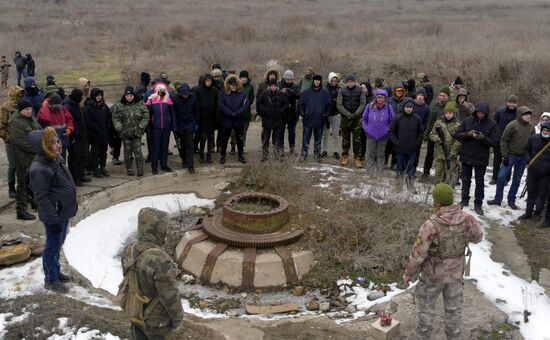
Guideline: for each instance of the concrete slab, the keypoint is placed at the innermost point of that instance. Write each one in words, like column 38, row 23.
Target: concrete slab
column 544, row 279
column 303, row 262
column 196, row 258
column 229, row 268
column 269, row 270
column 506, row 249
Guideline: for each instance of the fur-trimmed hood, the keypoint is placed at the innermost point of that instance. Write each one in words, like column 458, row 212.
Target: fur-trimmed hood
column 268, row 72
column 226, row 84
column 154, row 97
column 14, row 94
column 42, row 142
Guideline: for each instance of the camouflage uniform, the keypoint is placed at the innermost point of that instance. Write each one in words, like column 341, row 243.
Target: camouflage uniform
column 130, row 120
column 441, row 274
column 156, row 274
column 4, row 72
column 442, row 174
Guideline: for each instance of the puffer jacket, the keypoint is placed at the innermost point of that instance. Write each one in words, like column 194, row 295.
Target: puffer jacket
column 161, row 109
column 61, row 121
column 292, row 95
column 315, row 105
column 376, row 121
column 272, row 106
column 187, row 114
column 33, row 94
column 232, row 105
column 503, row 117
column 536, row 143
column 207, row 99
column 20, row 126
column 98, row 119
column 51, row 181
column 78, row 118
column 406, row 133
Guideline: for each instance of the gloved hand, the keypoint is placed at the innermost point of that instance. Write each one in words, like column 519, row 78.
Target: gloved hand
column 67, row 132
column 55, row 228
column 472, row 133
column 479, row 135
column 505, row 161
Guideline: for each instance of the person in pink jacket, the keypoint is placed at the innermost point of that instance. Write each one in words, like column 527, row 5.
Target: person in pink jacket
column 57, row 116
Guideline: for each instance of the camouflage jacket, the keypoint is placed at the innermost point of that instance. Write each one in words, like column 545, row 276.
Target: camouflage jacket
column 449, row 129
column 14, row 94
column 130, row 119
column 156, row 272
column 434, row 268
column 4, row 67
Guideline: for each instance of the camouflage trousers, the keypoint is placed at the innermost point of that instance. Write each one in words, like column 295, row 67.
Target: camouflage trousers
column 351, row 128
column 150, row 333
column 444, row 175
column 132, row 150
column 426, row 295
column 5, row 80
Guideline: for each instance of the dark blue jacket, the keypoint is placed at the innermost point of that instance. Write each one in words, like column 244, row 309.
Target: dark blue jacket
column 52, row 184
column 161, row 110
column 422, row 111
column 232, row 107
column 503, row 117
column 33, row 95
column 78, row 119
column 315, row 106
column 187, row 114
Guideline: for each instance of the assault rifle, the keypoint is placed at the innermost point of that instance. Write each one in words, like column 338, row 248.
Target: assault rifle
column 444, row 146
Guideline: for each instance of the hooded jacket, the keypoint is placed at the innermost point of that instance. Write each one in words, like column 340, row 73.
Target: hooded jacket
column 438, row 270
column 405, row 132
column 161, row 109
column 207, row 100
column 232, row 105
column 463, row 111
column 264, row 84
column 334, row 91
column 78, row 119
column 50, row 180
column 155, row 269
column 61, row 121
column 19, row 127
column 30, row 65
column 20, row 62
column 130, row 119
column 84, row 85
column 292, row 95
column 315, row 105
column 376, row 121
column 15, row 93
column 98, row 119
column 540, row 166
column 395, row 102
column 272, row 107
column 33, row 94
column 538, row 127
column 476, row 151
column 187, row 114
column 515, row 136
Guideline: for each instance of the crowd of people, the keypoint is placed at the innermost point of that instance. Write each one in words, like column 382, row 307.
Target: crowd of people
column 380, row 126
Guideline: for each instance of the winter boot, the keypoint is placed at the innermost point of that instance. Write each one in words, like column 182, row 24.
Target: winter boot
column 140, row 172
column 242, row 159
column 64, row 278
column 324, row 154
column 25, row 216
column 98, row 174
column 232, row 152
column 344, row 160
column 57, row 286
column 527, row 216
column 222, row 159
column 12, row 192
column 336, row 155
column 191, row 170
column 479, row 210
column 116, row 161
column 104, row 172
column 130, row 172
column 201, row 158
column 209, row 158
column 493, row 202
column 358, row 163
column 166, row 168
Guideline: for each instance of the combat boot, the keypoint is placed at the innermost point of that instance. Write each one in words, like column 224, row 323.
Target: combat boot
column 344, row 160
column 12, row 192
column 57, row 286
column 528, row 215
column 358, row 163
column 479, row 210
column 201, row 158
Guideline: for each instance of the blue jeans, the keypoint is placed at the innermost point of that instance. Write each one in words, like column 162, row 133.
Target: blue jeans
column 518, row 163
column 317, row 138
column 21, row 73
column 405, row 163
column 291, row 126
column 50, row 257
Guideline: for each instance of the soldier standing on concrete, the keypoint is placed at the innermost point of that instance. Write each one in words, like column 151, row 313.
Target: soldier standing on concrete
column 156, row 275
column 439, row 254
column 130, row 117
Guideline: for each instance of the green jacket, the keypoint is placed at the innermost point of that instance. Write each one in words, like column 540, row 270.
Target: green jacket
column 449, row 129
column 514, row 138
column 19, row 127
column 435, row 113
column 130, row 119
column 248, row 89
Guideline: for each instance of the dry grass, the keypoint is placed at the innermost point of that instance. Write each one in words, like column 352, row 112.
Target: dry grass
column 498, row 47
column 349, row 236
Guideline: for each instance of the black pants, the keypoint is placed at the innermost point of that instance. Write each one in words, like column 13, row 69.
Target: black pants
column 116, row 145
column 149, row 141
column 77, row 159
column 535, row 183
column 272, row 134
column 429, row 160
column 467, row 170
column 186, row 149
column 99, row 156
column 417, row 159
column 390, row 151
column 196, row 140
column 207, row 139
column 22, row 199
column 363, row 149
column 225, row 134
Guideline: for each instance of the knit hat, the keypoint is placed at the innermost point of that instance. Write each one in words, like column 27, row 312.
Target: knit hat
column 349, row 77
column 512, row 98
column 421, row 91
column 317, row 77
column 443, row 194
column 524, row 110
column 378, row 82
column 129, row 90
column 546, row 125
column 332, row 75
column 408, row 102
column 55, row 99
column 288, row 75
column 23, row 104
column 446, row 90
column 244, row 74
column 232, row 81
column 482, row 107
column 450, row 107
column 272, row 82
column 309, row 69
column 50, row 79
column 76, row 95
column 217, row 72
column 215, row 65
column 458, row 81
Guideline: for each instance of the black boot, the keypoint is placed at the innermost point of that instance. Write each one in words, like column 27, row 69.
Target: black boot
column 242, row 159
column 104, row 172
column 546, row 223
column 528, row 215
column 98, row 174
column 222, row 159
column 25, row 216
column 201, row 158
column 209, row 158
column 479, row 210
column 12, row 192
column 232, row 152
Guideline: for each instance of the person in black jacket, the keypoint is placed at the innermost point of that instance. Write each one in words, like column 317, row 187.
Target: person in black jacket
column 406, row 133
column 503, row 116
column 271, row 106
column 55, row 197
column 478, row 134
column 422, row 110
column 30, row 65
column 291, row 115
column 207, row 101
column 77, row 151
column 98, row 123
column 538, row 173
column 187, row 117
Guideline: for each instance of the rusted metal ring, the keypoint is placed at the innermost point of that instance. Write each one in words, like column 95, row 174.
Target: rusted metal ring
column 257, row 222
column 214, row 228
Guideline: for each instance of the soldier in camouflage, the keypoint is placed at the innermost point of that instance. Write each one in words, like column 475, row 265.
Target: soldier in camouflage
column 156, row 275
column 439, row 255
column 449, row 123
column 130, row 117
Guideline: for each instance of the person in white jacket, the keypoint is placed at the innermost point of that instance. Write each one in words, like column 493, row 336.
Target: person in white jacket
column 543, row 118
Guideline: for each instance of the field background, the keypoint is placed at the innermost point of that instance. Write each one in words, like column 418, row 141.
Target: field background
column 497, row 47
